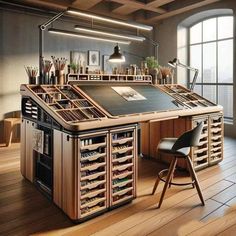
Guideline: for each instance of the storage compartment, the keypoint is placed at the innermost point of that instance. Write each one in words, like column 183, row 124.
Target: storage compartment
column 44, row 172
column 93, row 174
column 29, row 108
column 44, row 162
column 216, row 138
column 123, row 166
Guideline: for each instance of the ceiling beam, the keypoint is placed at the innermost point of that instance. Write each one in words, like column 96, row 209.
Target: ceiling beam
column 85, row 4
column 158, row 3
column 180, row 10
column 56, row 5
column 125, row 9
column 130, row 6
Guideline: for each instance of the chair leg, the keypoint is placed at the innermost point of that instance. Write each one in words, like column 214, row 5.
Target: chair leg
column 193, row 173
column 156, row 185
column 172, row 177
column 168, row 178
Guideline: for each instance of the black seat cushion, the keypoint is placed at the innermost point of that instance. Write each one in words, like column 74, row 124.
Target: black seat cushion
column 166, row 144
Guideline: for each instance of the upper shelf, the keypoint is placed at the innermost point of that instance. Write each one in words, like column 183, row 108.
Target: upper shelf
column 109, row 78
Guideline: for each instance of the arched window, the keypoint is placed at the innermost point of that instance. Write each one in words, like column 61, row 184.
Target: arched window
column 211, row 51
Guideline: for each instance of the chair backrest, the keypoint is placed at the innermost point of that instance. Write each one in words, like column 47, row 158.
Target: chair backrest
column 189, row 139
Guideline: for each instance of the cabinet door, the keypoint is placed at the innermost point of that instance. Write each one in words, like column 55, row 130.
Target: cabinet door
column 70, row 176
column 57, row 167
column 29, row 162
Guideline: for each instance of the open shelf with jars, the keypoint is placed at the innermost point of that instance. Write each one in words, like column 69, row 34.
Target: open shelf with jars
column 109, row 78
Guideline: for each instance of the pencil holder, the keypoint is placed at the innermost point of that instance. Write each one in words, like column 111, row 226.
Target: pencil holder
column 32, row 80
column 60, row 77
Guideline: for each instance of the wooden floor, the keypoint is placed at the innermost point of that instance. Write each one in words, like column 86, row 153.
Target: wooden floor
column 24, row 210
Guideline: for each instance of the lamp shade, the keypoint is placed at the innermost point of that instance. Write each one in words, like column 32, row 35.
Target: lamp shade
column 173, row 63
column 116, row 56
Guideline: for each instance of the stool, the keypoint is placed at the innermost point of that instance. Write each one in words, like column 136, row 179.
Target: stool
column 9, row 124
column 179, row 148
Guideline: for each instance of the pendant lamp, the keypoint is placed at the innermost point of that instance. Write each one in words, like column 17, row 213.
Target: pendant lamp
column 117, row 55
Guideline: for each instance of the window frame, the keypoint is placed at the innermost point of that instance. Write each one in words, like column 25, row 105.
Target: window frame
column 217, row 84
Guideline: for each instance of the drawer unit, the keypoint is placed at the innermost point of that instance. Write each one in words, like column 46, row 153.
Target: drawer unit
column 216, row 140
column 93, row 187
column 94, row 172
column 200, row 153
column 122, row 165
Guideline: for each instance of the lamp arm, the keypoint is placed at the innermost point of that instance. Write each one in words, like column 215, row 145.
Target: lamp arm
column 42, row 28
column 154, row 43
column 133, row 54
column 194, row 79
column 186, row 67
column 192, row 69
column 50, row 21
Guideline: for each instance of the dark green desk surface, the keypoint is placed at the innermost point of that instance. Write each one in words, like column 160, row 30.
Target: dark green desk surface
column 112, row 102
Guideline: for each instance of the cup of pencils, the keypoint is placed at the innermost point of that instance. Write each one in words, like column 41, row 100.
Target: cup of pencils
column 46, row 67
column 32, row 74
column 59, row 65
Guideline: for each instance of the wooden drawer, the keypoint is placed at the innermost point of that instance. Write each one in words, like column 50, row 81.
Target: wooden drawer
column 92, row 202
column 122, row 174
column 92, row 156
column 122, row 149
column 122, row 196
column 122, row 159
column 92, row 193
column 92, row 146
column 121, row 167
column 92, row 184
column 94, row 175
column 122, row 140
column 87, row 211
column 92, row 166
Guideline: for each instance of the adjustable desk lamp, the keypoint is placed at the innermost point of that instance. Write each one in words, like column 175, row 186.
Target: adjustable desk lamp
column 175, row 62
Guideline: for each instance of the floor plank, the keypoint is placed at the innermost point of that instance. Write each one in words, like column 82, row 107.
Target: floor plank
column 171, row 228
column 24, row 210
column 225, row 195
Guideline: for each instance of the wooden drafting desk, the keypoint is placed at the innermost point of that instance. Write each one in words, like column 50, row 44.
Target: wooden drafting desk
column 79, row 141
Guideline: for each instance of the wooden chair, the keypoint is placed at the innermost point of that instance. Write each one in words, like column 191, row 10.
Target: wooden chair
column 179, row 148
column 9, row 124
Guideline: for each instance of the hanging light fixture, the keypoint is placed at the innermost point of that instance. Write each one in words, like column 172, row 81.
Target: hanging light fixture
column 74, row 34
column 117, row 55
column 108, row 19
column 110, row 34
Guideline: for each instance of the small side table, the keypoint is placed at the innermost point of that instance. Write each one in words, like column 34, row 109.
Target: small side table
column 9, row 124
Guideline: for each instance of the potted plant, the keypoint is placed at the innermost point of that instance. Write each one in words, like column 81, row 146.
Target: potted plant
column 153, row 67
column 74, row 67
